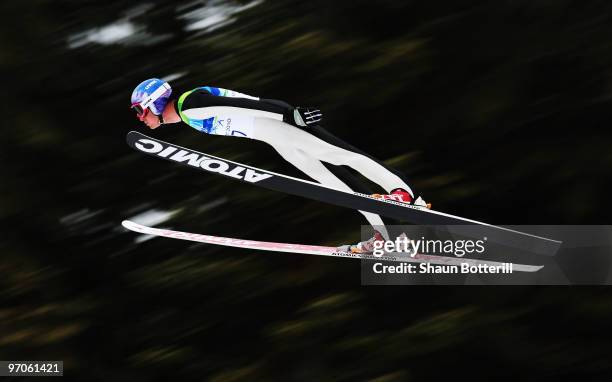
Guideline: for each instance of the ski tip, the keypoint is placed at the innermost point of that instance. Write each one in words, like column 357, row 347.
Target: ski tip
column 129, row 225
column 132, row 136
column 135, row 227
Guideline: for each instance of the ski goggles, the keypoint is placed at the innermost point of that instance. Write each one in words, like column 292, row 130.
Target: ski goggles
column 141, row 112
column 138, row 109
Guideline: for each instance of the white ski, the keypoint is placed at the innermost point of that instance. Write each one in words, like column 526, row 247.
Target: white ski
column 313, row 249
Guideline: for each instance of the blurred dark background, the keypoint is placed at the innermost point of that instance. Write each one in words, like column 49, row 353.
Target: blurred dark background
column 497, row 111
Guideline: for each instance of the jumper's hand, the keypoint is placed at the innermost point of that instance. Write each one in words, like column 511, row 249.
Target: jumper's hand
column 305, row 116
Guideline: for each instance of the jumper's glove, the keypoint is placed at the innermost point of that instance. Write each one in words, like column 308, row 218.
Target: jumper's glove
column 306, row 116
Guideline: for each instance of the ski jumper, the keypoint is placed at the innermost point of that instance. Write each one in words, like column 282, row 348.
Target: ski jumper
column 220, row 111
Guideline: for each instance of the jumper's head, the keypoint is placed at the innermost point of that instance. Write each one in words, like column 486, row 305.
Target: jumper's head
column 152, row 96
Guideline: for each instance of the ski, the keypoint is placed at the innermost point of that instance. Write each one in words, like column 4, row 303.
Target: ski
column 313, row 249
column 353, row 200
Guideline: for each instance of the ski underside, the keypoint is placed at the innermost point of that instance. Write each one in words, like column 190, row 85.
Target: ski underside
column 314, row 249
column 354, row 200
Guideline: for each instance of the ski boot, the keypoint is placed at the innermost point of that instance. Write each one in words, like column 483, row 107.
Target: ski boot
column 367, row 247
column 403, row 196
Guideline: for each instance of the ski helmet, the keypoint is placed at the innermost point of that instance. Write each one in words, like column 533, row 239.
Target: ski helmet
column 152, row 94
